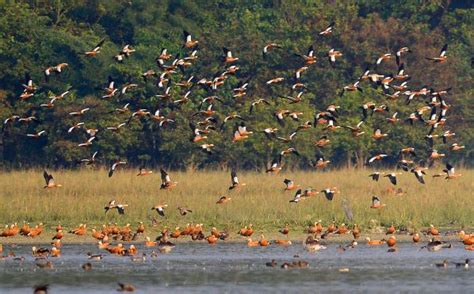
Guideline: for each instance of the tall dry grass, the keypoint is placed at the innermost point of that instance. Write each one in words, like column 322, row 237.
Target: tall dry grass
column 261, row 202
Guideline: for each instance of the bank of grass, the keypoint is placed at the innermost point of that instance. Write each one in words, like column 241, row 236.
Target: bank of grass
column 262, row 201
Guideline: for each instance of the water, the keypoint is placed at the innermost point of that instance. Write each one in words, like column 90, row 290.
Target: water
column 236, row 268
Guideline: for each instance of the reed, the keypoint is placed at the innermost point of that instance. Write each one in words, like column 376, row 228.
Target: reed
column 262, row 202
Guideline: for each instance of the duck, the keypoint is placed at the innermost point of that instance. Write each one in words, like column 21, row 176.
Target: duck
column 298, row 197
column 328, row 30
column 50, row 183
column 113, row 205
column 464, row 264
column 456, row 147
column 315, row 229
column 377, row 157
column 228, row 57
column 257, row 102
column 160, row 209
column 211, row 239
column 189, row 43
column 436, row 245
column 144, row 172
column 275, row 167
column 41, row 289
column 126, row 51
column 392, row 241
column 371, row 242
column 444, row 264
column 310, row 192
column 357, row 130
column 450, row 172
column 384, row 57
column 95, row 50
column 114, row 166
column 419, row 173
column 36, row 135
column 433, row 231
column 80, row 230
column 76, row 126
column 416, row 238
column 235, row 180
column 54, row 69
column 467, row 239
column 330, row 192
column 59, row 235
column 126, row 287
column 285, row 230
column 356, row 231
column 322, row 141
column 222, row 235
column 95, row 256
column 102, row 245
column 166, row 182
column 272, row 263
column 312, row 244
column 378, row 135
column 283, row 242
column 240, row 133
column 87, row 266
column 55, row 252
column 351, row 88
column 269, row 47
column 184, row 211
column 251, row 243
column 223, row 199
column 376, row 203
column 333, row 54
column 149, row 243
column 342, row 229
column 79, row 112
column 118, row 250
column 309, row 58
column 44, row 264
column 442, row 55
column 263, row 242
column 290, row 185
column 40, row 252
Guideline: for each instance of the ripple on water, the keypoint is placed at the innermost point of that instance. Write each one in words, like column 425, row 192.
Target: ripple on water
column 236, row 268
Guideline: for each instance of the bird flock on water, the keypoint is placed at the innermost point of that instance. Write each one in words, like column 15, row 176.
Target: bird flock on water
column 206, row 122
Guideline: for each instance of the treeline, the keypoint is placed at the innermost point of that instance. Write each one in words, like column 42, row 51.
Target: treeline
column 36, row 35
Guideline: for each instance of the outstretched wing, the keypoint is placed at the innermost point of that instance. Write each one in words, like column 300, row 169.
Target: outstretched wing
column 48, row 177
column 234, row 178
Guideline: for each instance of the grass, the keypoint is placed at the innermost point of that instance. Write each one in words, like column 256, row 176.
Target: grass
column 261, row 202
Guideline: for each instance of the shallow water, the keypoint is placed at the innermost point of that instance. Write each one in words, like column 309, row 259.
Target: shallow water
column 236, row 268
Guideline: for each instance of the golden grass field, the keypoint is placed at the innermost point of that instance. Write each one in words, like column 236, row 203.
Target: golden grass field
column 262, row 202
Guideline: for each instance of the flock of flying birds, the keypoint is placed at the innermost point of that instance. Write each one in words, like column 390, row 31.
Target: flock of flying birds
column 204, row 122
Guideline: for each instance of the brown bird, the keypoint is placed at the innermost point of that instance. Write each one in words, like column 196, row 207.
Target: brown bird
column 166, row 182
column 126, row 287
column 184, row 211
column 442, row 55
column 96, row 49
column 285, row 231
column 50, row 184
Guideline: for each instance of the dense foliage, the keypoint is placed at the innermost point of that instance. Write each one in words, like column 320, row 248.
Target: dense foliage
column 39, row 34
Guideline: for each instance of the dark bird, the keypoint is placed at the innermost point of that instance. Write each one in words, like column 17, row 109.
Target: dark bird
column 375, row 176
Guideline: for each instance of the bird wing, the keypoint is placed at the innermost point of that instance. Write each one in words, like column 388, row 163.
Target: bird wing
column 234, row 178
column 47, row 177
